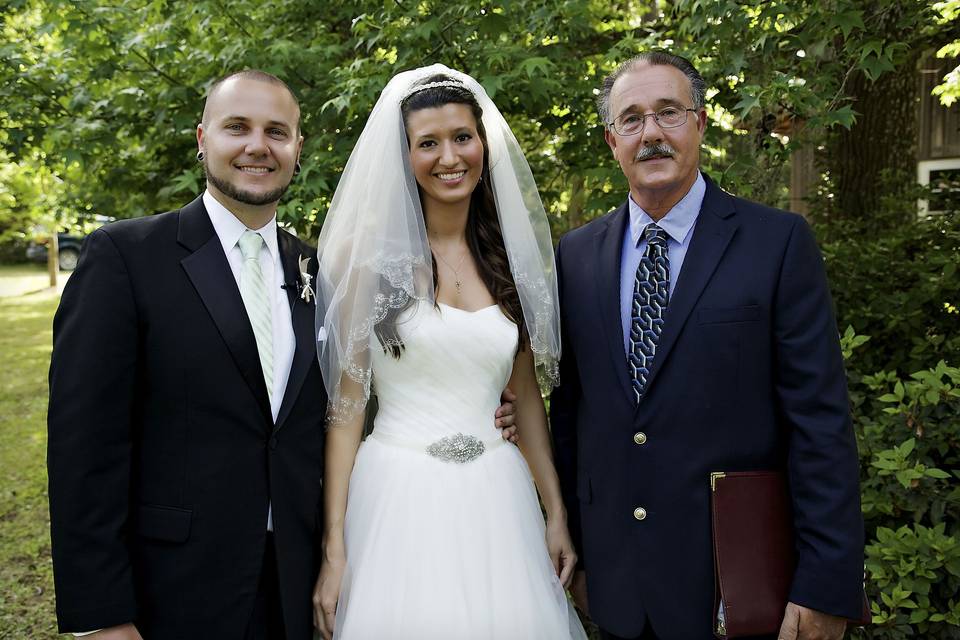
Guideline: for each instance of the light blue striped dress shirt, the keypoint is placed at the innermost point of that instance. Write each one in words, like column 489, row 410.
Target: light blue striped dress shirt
column 678, row 224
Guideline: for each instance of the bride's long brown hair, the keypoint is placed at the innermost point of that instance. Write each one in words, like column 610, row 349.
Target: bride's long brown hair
column 484, row 236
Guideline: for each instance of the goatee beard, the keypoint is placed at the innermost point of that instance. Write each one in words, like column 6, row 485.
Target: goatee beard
column 230, row 190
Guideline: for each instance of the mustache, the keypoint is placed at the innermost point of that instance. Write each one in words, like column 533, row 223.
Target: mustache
column 659, row 149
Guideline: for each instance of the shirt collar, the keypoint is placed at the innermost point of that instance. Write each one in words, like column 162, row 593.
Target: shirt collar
column 679, row 220
column 229, row 228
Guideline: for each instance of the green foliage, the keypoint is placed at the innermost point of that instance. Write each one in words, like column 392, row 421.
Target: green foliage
column 949, row 89
column 118, row 89
column 893, row 278
column 779, row 73
column 908, row 435
column 913, row 568
column 895, row 281
column 29, row 199
column 909, row 438
column 114, row 91
column 849, row 340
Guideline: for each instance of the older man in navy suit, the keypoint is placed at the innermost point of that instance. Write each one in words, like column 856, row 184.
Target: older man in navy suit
column 698, row 336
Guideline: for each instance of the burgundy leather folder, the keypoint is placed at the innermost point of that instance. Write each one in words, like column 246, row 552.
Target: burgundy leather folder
column 753, row 551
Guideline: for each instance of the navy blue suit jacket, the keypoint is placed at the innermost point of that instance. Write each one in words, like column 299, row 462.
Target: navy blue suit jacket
column 748, row 375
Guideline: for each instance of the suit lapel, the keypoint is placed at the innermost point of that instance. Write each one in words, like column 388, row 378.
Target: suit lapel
column 210, row 273
column 302, row 316
column 711, row 236
column 608, row 247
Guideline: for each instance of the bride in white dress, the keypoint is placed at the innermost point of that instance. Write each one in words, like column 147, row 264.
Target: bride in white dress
column 436, row 291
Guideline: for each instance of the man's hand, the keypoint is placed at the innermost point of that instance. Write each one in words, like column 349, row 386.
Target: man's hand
column 801, row 623
column 578, row 589
column 504, row 416
column 122, row 632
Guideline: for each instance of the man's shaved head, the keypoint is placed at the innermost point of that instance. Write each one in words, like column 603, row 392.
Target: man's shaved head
column 250, row 74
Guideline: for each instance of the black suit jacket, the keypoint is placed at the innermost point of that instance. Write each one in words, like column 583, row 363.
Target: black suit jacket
column 163, row 455
column 747, row 375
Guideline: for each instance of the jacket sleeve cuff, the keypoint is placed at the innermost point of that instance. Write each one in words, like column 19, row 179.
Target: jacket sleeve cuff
column 839, row 593
column 78, row 621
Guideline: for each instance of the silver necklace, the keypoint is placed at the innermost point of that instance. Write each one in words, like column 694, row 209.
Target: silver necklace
column 456, row 272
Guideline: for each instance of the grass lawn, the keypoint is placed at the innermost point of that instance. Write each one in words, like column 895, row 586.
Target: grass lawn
column 26, row 577
column 20, row 279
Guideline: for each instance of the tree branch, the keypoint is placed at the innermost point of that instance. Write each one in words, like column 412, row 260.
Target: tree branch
column 223, row 11
column 51, row 98
column 112, row 37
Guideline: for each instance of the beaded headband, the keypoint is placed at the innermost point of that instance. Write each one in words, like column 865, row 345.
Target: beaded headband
column 453, row 84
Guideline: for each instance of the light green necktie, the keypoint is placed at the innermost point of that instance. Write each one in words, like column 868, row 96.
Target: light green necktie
column 253, row 290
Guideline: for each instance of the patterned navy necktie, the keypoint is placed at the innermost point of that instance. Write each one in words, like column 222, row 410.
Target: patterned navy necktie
column 651, row 292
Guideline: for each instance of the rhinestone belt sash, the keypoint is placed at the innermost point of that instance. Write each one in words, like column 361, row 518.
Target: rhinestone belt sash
column 459, row 448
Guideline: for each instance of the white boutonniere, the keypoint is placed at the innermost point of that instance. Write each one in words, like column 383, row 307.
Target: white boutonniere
column 306, row 291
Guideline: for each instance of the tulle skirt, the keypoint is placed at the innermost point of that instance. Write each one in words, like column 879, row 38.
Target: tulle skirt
column 447, row 550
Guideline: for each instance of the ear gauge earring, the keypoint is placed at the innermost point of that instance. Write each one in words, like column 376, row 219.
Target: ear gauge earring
column 297, row 168
column 199, row 156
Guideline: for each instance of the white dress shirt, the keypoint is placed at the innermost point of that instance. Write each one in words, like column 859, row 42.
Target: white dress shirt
column 229, row 229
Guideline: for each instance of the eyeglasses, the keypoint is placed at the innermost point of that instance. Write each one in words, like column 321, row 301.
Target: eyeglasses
column 631, row 123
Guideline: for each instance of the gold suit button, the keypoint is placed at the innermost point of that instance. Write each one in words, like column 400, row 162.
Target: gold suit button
column 640, row 437
column 640, row 513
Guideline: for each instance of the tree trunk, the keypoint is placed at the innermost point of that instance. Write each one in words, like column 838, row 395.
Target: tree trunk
column 53, row 258
column 876, row 158
column 578, row 198
column 872, row 166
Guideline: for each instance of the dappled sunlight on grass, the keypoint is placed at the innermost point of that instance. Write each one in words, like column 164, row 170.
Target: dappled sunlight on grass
column 26, row 578
column 27, row 279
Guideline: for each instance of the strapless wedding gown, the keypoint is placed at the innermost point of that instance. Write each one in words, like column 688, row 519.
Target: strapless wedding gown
column 444, row 541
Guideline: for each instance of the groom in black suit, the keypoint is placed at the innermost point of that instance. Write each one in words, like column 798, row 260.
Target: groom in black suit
column 698, row 336
column 186, row 403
